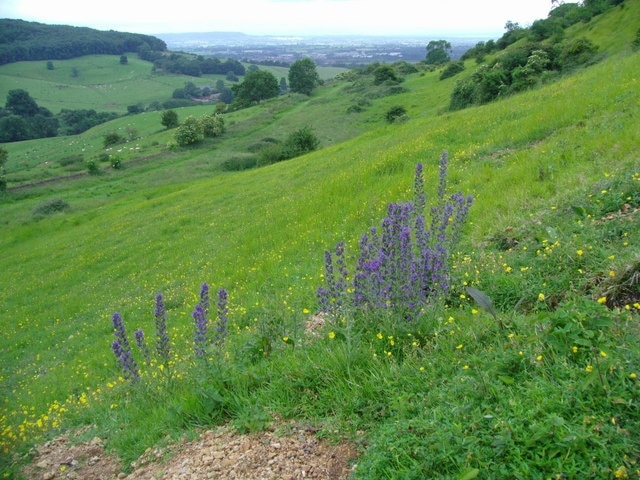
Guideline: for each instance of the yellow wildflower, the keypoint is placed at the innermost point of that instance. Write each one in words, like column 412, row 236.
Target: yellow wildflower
column 332, row 335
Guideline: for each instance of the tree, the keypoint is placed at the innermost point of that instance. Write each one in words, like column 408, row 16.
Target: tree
column 124, row 60
column 303, row 76
column 19, row 102
column 438, row 52
column 169, row 119
column 257, row 86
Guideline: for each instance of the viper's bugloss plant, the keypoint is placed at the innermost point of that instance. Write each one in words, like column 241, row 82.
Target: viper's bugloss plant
column 163, row 344
column 223, row 311
column 142, row 345
column 201, row 318
column 403, row 265
column 201, row 327
column 122, row 350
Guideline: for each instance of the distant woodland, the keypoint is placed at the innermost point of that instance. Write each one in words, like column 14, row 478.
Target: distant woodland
column 25, row 41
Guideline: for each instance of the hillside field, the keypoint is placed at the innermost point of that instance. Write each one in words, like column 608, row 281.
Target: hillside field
column 542, row 382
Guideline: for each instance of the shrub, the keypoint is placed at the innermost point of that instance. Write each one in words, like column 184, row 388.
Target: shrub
column 189, row 132
column 212, row 125
column 383, row 74
column 116, row 162
column 264, row 142
column 239, row 163
column 636, row 41
column 71, row 160
column 452, row 69
column 270, row 154
column 300, row 142
column 54, row 205
column 92, row 167
column 169, row 119
column 395, row 113
column 463, row 94
column 112, row 138
column 577, row 52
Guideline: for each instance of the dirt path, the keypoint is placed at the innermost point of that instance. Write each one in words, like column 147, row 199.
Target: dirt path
column 291, row 453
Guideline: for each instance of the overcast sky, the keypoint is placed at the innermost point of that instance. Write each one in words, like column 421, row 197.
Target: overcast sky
column 285, row 17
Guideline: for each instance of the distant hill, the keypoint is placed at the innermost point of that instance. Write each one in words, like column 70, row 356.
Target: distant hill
column 24, row 41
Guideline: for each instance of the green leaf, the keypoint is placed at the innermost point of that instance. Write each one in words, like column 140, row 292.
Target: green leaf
column 482, row 299
column 579, row 210
column 469, row 474
column 506, row 379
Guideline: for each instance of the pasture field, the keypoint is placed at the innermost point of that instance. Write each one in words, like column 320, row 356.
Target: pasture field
column 100, row 83
column 543, row 385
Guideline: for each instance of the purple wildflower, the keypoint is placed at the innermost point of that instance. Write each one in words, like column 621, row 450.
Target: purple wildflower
column 142, row 345
column 223, row 310
column 163, row 344
column 200, row 335
column 122, row 349
column 204, row 298
column 407, row 265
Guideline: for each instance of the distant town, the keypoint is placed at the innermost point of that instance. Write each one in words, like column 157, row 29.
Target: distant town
column 339, row 51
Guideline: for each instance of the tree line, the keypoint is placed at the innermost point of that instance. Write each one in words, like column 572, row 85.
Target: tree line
column 26, row 41
column 197, row 66
column 23, row 119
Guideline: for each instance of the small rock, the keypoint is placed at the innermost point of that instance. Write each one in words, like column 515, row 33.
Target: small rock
column 42, row 464
column 50, row 475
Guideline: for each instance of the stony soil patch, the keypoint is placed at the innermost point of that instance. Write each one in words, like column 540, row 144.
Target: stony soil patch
column 292, row 453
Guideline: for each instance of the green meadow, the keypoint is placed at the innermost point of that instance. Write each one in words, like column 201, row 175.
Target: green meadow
column 543, row 385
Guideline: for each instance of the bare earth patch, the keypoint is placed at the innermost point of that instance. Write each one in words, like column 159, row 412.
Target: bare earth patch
column 221, row 454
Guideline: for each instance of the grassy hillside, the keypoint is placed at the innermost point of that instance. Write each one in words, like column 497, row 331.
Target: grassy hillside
column 100, row 83
column 552, row 238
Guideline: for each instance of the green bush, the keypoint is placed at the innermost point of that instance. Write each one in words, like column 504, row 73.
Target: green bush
column 112, row 138
column 300, row 142
column 92, row 167
column 169, row 119
column 395, row 114
column 452, row 69
column 54, row 205
column 189, row 132
column 212, row 125
column 239, row 163
column 270, row 154
column 577, row 52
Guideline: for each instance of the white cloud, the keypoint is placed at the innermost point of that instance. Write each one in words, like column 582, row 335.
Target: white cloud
column 284, row 16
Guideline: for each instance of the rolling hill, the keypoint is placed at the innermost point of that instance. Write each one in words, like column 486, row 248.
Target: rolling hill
column 552, row 239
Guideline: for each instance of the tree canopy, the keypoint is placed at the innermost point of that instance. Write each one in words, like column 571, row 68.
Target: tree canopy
column 438, row 52
column 25, row 41
column 257, row 86
column 303, row 76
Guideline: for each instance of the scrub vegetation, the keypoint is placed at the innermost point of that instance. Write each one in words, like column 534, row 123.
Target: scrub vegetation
column 457, row 294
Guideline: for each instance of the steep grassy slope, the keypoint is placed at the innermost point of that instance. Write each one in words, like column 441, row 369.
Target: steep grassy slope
column 261, row 234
